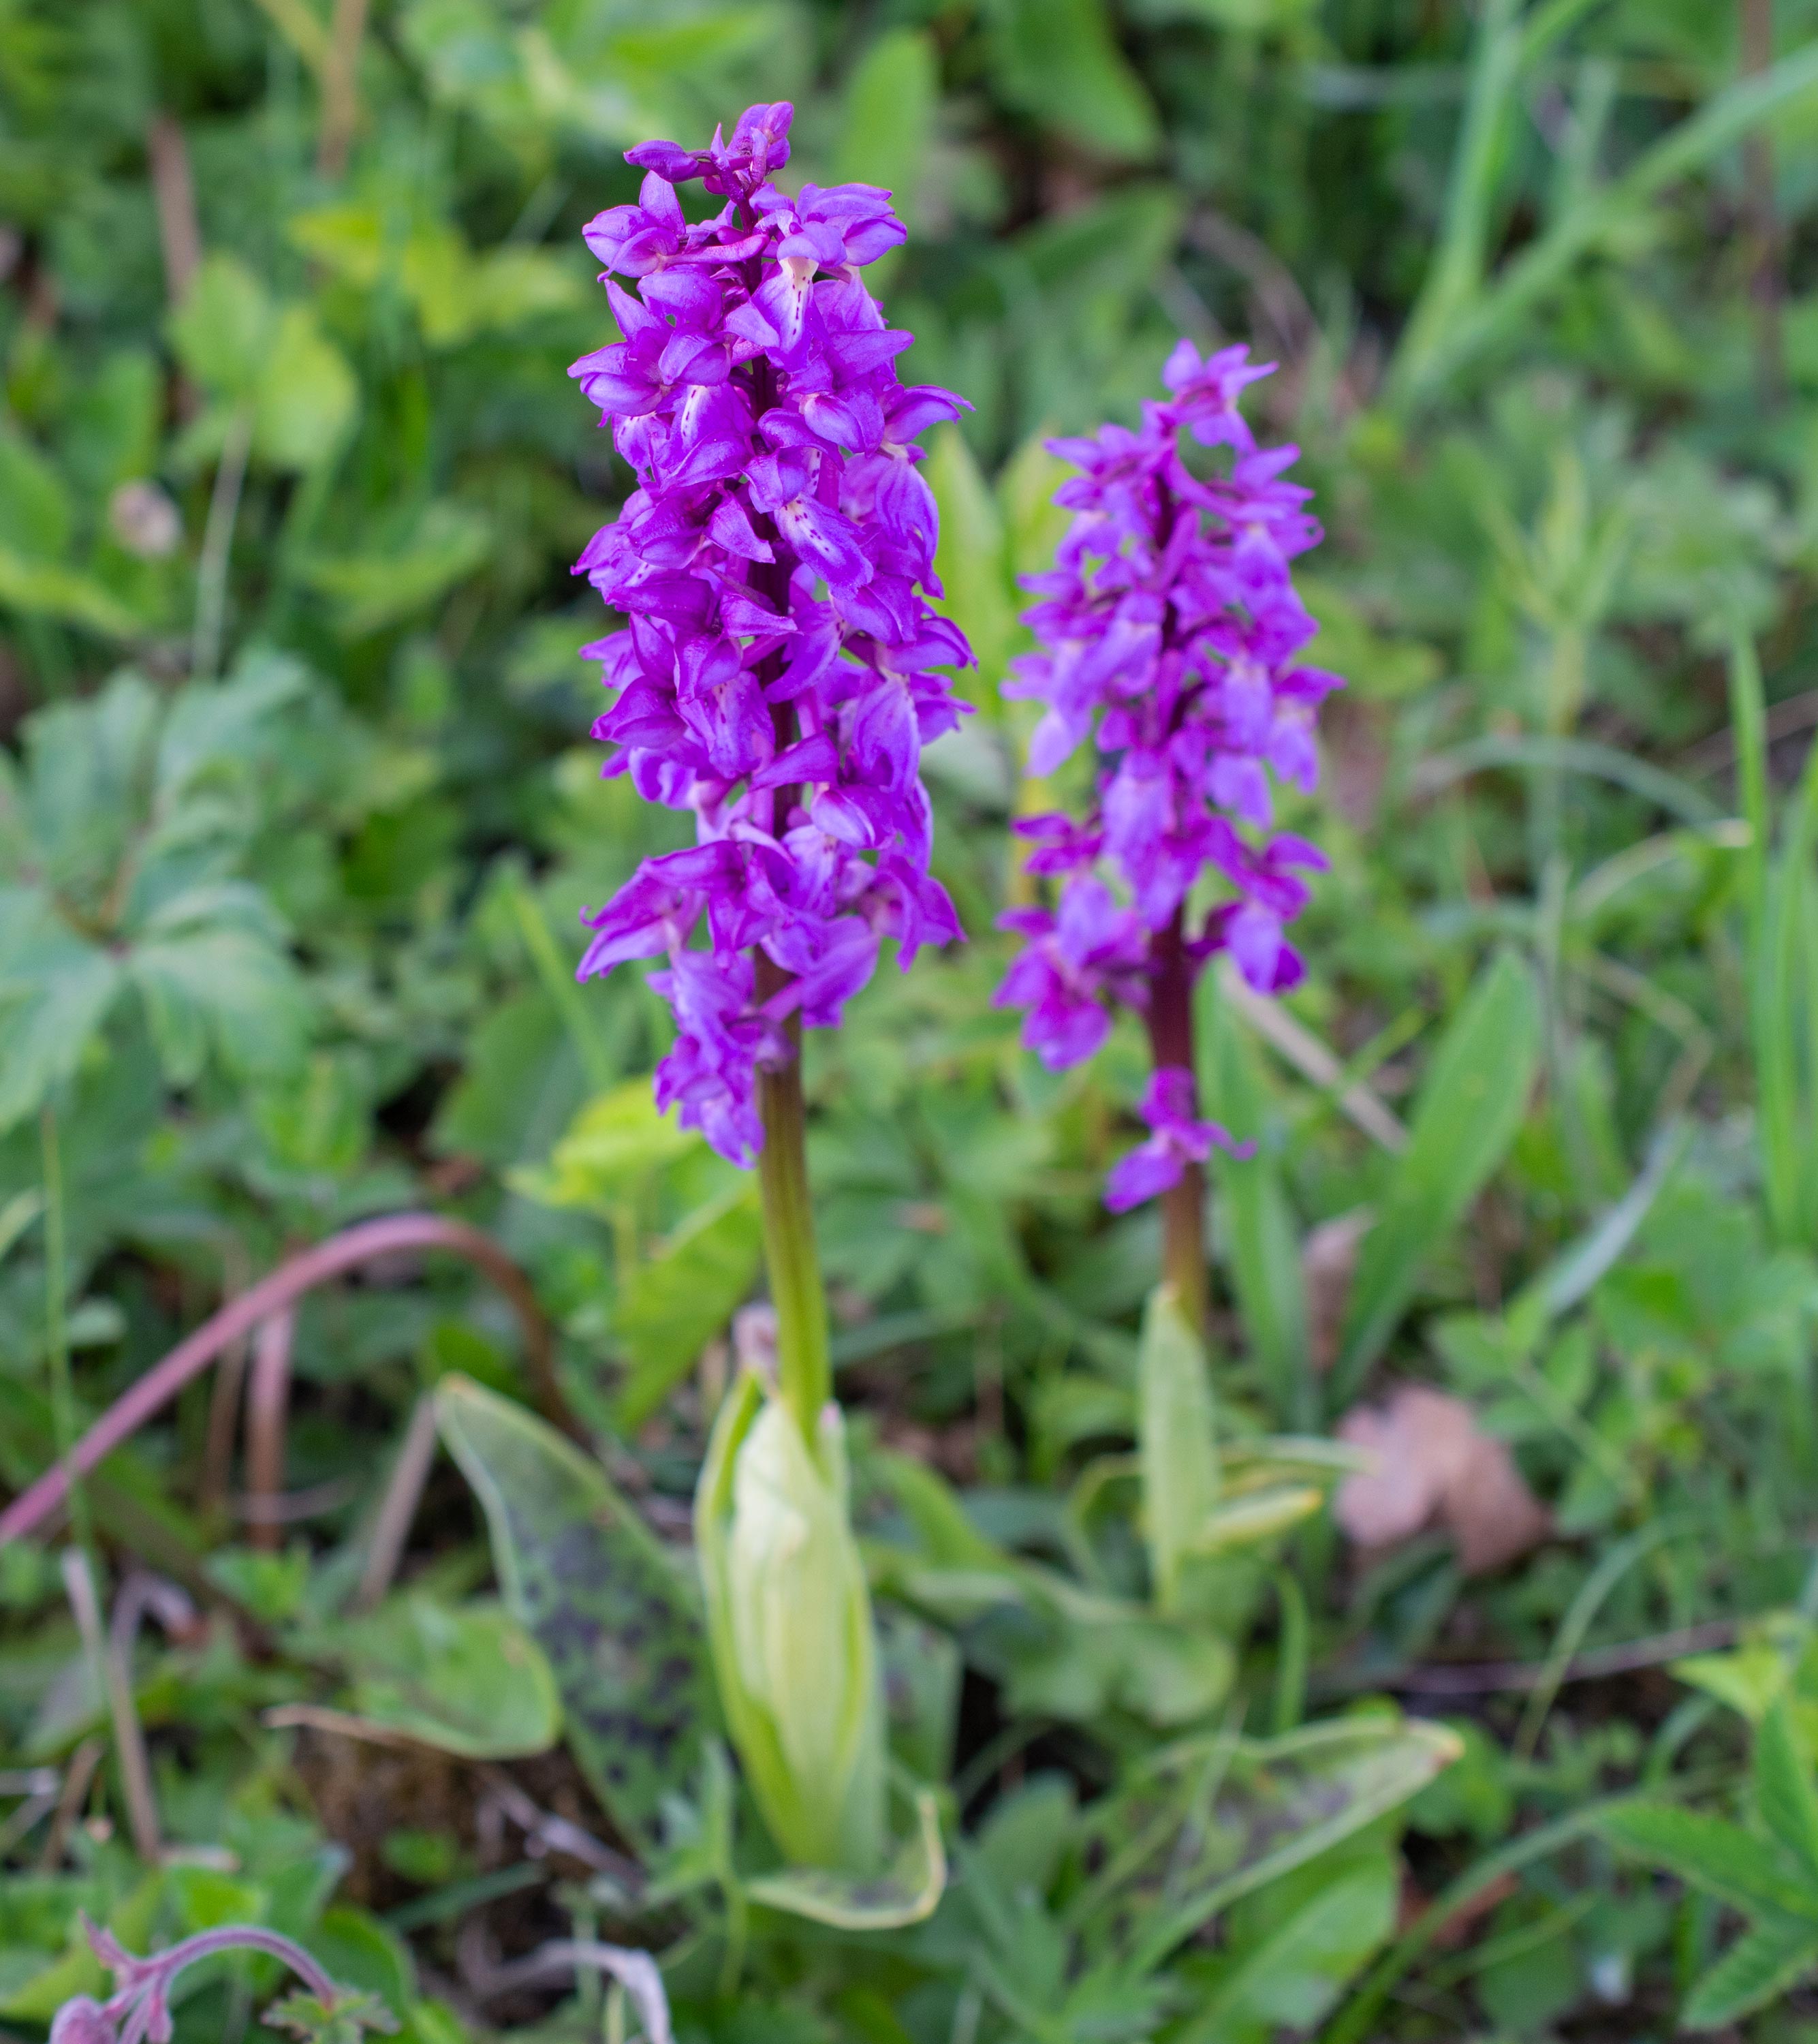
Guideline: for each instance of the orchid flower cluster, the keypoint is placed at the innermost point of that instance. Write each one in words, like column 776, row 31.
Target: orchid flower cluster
column 1170, row 633
column 779, row 674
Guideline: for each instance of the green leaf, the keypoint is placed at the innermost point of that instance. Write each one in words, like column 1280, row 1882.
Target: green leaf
column 673, row 1304
column 35, row 518
column 1766, row 1960
column 888, row 118
column 55, row 992
column 220, row 987
column 1262, row 1249
column 1706, row 1853
column 615, row 1142
column 1218, row 1819
column 1784, row 1790
column 520, row 1083
column 969, row 557
column 921, row 1673
column 905, row 1893
column 344, row 2020
column 467, row 1679
column 306, row 394
column 219, row 728
column 42, row 588
column 1058, row 61
column 1257, row 1516
column 358, row 1950
column 1471, row 1104
column 1546, row 262
column 1288, row 1978
column 1095, row 1656
column 223, row 327
column 617, row 1617
column 1034, row 524
column 382, row 585
column 1176, row 1447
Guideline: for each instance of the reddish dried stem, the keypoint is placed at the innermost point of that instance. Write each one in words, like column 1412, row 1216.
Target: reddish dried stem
column 267, row 1406
column 271, row 1295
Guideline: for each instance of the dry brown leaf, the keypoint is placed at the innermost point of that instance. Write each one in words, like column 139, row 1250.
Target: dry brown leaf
column 1435, row 1467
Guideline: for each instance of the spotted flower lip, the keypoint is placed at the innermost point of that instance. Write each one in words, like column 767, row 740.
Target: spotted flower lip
column 1170, row 636
column 780, row 668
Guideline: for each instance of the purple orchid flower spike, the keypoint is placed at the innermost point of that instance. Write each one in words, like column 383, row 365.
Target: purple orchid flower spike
column 1169, row 633
column 780, row 669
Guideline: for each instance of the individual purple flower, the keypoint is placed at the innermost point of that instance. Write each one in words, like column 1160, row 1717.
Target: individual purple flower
column 1090, row 949
column 780, row 669
column 1169, row 635
column 1178, row 1139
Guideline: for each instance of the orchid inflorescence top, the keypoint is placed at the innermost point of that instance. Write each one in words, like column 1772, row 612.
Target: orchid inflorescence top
column 779, row 675
column 1170, row 633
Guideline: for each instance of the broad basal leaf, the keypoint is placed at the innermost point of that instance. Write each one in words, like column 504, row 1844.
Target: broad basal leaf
column 1244, row 1813
column 617, row 1618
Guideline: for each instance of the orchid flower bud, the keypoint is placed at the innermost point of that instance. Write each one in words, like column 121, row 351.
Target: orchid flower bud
column 789, row 1622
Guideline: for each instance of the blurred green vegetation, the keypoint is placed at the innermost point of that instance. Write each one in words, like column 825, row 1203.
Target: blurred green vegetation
column 297, row 812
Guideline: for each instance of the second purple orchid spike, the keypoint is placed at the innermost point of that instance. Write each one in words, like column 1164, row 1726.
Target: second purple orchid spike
column 1170, row 634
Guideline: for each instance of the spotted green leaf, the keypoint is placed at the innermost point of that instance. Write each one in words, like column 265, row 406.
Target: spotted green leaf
column 616, row 1616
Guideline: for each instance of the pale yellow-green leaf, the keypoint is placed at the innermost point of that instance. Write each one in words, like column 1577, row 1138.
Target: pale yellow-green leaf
column 614, row 1143
column 306, row 394
column 907, row 1892
column 223, row 328
column 1176, row 1445
column 347, row 241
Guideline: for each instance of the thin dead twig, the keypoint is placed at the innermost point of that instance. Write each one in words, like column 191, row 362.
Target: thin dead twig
column 340, row 87
column 39, row 1788
column 1486, row 1678
column 223, row 1398
column 558, row 1834
column 77, row 1776
column 1313, row 1060
column 116, row 1674
column 174, row 195
column 391, row 1528
column 267, row 1407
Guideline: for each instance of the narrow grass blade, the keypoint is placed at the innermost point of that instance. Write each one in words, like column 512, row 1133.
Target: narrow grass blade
column 1470, row 1106
column 1545, row 263
column 1256, row 1224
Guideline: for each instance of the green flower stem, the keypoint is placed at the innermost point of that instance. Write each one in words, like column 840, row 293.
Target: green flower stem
column 804, row 1366
column 1183, row 1205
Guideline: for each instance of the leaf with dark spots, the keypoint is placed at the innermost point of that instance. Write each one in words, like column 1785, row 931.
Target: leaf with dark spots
column 616, row 1616
column 1219, row 1817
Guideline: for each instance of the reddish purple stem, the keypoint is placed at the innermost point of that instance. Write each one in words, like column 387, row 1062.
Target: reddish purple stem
column 271, row 1295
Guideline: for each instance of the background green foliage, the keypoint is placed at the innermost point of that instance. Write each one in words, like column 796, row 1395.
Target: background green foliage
column 297, row 812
